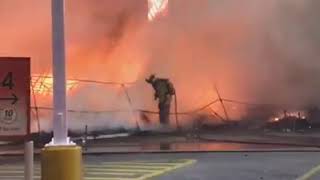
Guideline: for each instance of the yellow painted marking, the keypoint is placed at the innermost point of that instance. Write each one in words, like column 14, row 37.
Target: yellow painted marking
column 147, row 176
column 107, row 178
column 16, row 176
column 110, row 173
column 311, row 173
column 136, row 170
column 129, row 170
column 147, row 162
column 14, row 167
column 11, row 171
column 15, row 171
column 143, row 163
column 135, row 167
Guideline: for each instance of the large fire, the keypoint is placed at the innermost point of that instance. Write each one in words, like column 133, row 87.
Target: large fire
column 119, row 41
column 43, row 84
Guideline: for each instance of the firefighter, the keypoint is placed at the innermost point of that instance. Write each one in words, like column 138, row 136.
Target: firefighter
column 164, row 91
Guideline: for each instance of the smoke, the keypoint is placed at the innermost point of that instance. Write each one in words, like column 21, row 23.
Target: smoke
column 257, row 51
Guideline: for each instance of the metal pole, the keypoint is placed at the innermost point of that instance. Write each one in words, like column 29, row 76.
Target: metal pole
column 61, row 159
column 28, row 160
column 60, row 127
column 85, row 140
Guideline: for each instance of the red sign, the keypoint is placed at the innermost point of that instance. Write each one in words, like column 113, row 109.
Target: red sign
column 14, row 97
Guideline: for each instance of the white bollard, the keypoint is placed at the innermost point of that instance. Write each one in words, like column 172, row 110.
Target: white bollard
column 28, row 160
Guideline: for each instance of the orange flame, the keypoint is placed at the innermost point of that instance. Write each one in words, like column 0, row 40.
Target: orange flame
column 281, row 115
column 43, row 85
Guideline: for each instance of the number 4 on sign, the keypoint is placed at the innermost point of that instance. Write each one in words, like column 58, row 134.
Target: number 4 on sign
column 8, row 81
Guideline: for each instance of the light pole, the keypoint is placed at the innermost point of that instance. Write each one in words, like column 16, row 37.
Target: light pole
column 60, row 126
column 61, row 159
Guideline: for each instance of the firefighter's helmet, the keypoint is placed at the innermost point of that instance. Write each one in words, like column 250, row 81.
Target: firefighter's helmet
column 151, row 78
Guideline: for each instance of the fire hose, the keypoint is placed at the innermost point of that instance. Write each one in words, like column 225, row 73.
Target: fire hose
column 182, row 113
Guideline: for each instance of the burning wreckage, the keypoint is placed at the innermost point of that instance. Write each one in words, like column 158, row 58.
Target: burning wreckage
column 218, row 114
column 289, row 122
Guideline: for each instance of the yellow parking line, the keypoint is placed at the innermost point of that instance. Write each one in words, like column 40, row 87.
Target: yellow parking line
column 11, row 171
column 311, row 173
column 147, row 171
column 135, row 167
column 14, row 167
column 186, row 163
column 117, row 172
column 178, row 161
column 110, row 173
column 129, row 170
column 137, row 171
column 141, row 163
column 107, row 178
column 16, row 177
column 110, row 170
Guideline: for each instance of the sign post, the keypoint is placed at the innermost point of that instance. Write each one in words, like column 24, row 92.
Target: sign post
column 15, row 80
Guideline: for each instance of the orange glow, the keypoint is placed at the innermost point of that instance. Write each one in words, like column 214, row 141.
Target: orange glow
column 281, row 115
column 276, row 119
column 43, row 85
column 157, row 7
column 130, row 72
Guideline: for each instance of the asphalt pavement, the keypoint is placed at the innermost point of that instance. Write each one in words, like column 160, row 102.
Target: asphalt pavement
column 163, row 157
column 185, row 166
